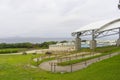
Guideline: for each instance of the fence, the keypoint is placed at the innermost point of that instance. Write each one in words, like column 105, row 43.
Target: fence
column 74, row 67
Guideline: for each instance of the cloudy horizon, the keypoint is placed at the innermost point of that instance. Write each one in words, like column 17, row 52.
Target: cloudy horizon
column 51, row 18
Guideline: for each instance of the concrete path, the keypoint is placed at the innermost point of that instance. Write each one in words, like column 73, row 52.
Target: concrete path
column 74, row 67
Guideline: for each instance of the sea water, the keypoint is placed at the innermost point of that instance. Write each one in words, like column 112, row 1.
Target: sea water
column 40, row 40
column 32, row 40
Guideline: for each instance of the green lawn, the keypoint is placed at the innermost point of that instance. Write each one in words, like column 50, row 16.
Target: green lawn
column 76, row 61
column 11, row 50
column 14, row 67
column 103, row 50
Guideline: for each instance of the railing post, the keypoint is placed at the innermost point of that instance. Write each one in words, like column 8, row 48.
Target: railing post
column 71, row 67
column 85, row 63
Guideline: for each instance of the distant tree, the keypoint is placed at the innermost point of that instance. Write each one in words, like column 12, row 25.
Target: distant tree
column 46, row 44
column 64, row 41
column 84, row 40
column 26, row 45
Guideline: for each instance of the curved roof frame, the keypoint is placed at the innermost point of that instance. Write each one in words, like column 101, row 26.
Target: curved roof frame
column 106, row 25
column 107, row 33
column 103, row 30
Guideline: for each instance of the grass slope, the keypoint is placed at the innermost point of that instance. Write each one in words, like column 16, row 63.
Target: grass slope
column 14, row 67
column 103, row 50
column 11, row 50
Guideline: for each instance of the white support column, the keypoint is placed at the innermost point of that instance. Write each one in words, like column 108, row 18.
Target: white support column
column 93, row 41
column 77, row 43
column 118, row 41
column 93, row 44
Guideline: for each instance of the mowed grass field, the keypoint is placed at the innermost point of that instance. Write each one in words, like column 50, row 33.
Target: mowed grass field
column 11, row 50
column 15, row 67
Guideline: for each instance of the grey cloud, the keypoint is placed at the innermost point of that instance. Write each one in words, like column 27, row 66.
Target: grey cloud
column 53, row 18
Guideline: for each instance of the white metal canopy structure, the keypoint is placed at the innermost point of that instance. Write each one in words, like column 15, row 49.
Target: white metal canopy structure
column 97, row 30
column 100, row 28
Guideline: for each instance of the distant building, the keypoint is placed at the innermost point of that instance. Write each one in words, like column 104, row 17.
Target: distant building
column 62, row 46
column 69, row 46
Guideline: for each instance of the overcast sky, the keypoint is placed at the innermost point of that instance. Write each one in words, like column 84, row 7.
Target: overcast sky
column 51, row 18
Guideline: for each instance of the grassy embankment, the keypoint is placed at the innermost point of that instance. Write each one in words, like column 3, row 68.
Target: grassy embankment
column 11, row 50
column 14, row 67
column 102, row 50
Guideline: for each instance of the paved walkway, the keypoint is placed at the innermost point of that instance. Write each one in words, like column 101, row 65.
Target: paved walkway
column 74, row 67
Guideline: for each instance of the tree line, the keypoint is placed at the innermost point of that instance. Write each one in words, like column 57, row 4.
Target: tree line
column 27, row 45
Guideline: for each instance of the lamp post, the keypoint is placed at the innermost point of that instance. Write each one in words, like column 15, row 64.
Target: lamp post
column 119, row 4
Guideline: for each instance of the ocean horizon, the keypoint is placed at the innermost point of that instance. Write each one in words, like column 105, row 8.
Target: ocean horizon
column 31, row 40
